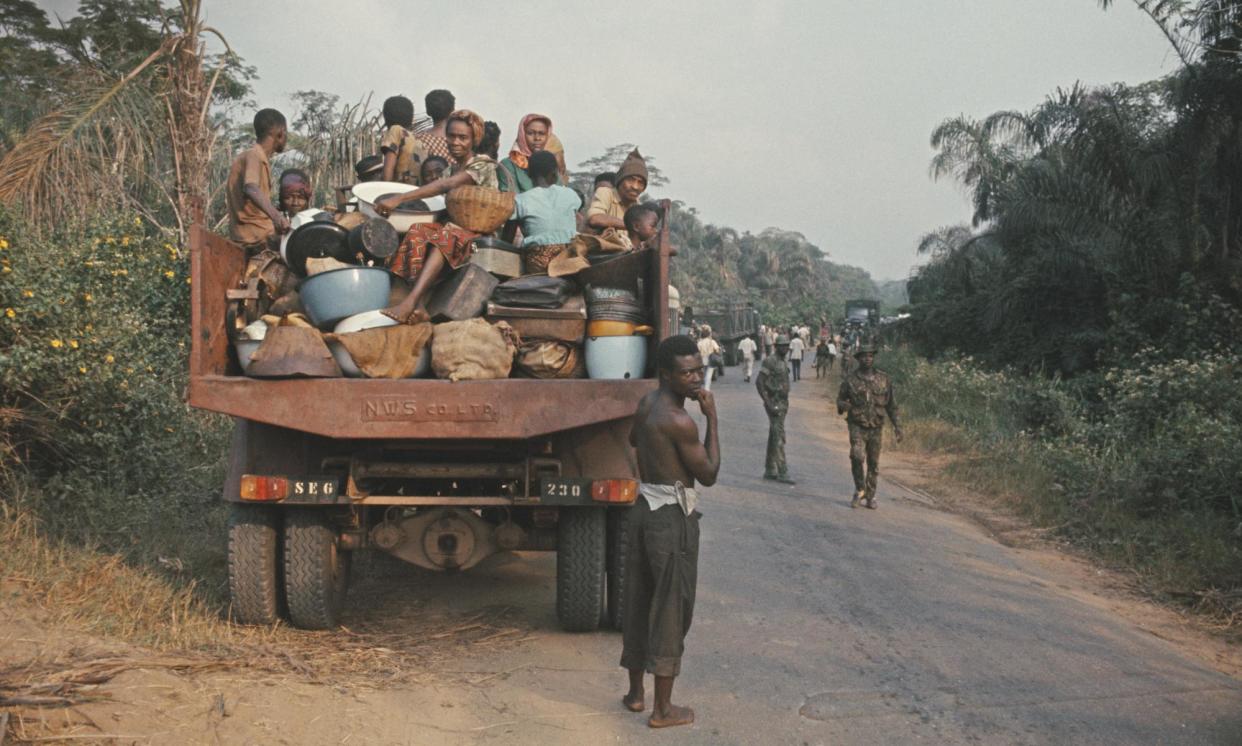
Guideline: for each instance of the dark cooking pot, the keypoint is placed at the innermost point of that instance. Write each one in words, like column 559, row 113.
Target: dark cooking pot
column 315, row 241
column 375, row 239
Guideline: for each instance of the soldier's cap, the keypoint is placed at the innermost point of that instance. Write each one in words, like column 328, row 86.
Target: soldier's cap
column 867, row 349
column 781, row 339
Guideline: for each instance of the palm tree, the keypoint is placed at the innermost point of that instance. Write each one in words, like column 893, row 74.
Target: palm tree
column 112, row 139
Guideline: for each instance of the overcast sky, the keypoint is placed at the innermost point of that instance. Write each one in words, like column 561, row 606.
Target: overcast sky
column 808, row 115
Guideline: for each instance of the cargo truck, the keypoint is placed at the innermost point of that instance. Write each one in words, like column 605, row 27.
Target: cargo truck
column 437, row 473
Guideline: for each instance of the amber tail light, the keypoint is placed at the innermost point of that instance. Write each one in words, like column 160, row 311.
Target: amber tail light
column 620, row 491
column 264, row 489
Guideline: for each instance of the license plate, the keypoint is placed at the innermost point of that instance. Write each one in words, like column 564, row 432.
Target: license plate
column 313, row 490
column 560, row 491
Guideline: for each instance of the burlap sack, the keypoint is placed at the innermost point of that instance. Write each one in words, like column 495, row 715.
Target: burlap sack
column 386, row 352
column 472, row 350
column 546, row 358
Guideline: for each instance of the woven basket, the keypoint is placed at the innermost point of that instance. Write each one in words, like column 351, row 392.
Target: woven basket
column 480, row 209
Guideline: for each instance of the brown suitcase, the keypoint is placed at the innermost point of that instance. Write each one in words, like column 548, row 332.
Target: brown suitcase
column 567, row 323
column 462, row 295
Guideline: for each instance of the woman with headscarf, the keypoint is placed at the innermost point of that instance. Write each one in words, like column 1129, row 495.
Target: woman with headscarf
column 429, row 247
column 533, row 135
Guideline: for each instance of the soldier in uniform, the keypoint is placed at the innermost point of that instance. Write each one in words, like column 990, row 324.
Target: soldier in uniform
column 773, row 385
column 866, row 395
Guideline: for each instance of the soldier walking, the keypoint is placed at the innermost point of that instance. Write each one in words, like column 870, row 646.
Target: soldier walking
column 773, row 385
column 866, row 395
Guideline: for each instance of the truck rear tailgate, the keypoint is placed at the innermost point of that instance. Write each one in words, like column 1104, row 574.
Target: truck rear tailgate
column 420, row 409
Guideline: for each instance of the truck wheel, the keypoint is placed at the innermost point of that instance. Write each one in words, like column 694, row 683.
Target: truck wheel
column 253, row 555
column 618, row 553
column 580, row 568
column 316, row 570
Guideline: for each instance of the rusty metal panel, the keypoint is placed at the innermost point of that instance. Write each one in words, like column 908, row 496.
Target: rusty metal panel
column 421, row 409
column 659, row 280
column 399, row 470
column 433, row 501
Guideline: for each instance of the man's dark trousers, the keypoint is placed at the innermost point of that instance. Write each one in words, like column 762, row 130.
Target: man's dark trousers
column 661, row 573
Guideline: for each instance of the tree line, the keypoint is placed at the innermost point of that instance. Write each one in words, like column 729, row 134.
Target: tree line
column 1106, row 220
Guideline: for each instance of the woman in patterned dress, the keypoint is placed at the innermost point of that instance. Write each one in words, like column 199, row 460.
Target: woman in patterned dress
column 429, row 247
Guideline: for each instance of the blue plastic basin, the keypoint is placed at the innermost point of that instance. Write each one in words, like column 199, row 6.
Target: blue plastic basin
column 331, row 296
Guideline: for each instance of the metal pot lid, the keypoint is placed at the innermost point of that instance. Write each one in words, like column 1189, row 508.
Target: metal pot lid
column 376, row 239
column 317, row 239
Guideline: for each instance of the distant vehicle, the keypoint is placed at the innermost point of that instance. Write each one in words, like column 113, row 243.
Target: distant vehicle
column 729, row 323
column 862, row 321
column 865, row 312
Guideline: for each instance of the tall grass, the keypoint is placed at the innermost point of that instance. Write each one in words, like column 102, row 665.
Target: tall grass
column 1140, row 465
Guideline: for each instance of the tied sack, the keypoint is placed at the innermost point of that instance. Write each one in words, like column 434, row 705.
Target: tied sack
column 547, row 358
column 472, row 350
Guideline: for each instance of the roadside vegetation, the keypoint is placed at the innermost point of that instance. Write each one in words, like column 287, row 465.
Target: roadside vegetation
column 1077, row 342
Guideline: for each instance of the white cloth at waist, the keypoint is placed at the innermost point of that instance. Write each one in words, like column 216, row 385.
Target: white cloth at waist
column 659, row 495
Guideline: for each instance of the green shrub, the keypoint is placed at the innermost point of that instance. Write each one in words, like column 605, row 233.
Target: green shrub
column 94, row 338
column 1144, row 470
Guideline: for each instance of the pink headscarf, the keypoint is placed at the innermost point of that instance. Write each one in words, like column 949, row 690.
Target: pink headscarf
column 520, row 152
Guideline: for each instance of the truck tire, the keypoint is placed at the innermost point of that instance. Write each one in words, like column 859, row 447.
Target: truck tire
column 316, row 570
column 253, row 557
column 618, row 554
column 580, row 549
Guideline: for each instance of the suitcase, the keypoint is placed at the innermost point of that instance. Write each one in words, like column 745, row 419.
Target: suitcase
column 567, row 323
column 462, row 294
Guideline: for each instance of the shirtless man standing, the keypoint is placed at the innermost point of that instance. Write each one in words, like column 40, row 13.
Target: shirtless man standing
column 663, row 527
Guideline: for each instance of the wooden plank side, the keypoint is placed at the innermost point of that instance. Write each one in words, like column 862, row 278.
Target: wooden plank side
column 215, row 263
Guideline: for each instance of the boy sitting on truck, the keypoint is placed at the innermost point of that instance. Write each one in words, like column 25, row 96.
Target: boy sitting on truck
column 642, row 224
column 253, row 220
column 546, row 214
column 403, row 152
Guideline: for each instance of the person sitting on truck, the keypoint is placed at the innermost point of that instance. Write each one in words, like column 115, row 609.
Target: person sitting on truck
column 369, row 168
column 429, row 247
column 642, row 224
column 403, row 152
column 545, row 213
column 295, row 191
column 608, row 208
column 489, row 145
column 253, row 220
column 440, row 105
column 534, row 132
column 605, row 179
column 662, row 533
column 433, row 168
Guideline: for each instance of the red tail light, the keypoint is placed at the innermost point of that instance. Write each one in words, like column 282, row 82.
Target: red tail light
column 264, row 489
column 621, row 491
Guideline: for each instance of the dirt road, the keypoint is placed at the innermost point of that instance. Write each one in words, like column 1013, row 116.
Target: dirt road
column 815, row 624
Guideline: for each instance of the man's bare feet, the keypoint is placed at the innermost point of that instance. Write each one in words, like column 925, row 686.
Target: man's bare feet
column 671, row 716
column 634, row 702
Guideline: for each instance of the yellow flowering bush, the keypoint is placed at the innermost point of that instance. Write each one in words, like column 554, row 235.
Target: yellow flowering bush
column 93, row 355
